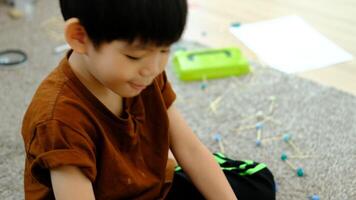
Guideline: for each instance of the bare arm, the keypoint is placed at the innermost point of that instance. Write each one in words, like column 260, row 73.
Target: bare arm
column 196, row 160
column 69, row 182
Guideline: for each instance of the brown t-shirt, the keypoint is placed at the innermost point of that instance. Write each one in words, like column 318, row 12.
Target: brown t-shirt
column 124, row 157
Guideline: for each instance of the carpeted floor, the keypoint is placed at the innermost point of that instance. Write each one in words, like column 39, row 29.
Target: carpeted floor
column 321, row 120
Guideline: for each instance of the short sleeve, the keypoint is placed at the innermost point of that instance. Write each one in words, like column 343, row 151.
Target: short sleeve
column 167, row 91
column 55, row 144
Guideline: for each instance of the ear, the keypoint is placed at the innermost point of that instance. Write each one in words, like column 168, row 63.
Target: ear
column 76, row 36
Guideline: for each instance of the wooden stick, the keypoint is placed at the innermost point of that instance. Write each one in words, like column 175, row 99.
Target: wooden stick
column 295, row 148
column 221, row 146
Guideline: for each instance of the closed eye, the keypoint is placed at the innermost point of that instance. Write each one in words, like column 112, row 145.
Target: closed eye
column 166, row 51
column 133, row 58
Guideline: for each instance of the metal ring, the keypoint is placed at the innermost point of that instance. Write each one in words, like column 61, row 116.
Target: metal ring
column 11, row 51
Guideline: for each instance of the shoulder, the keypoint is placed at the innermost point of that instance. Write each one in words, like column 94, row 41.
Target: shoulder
column 55, row 100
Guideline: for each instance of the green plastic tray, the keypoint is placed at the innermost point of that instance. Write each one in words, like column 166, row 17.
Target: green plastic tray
column 210, row 64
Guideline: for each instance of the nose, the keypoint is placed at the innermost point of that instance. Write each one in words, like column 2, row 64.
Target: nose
column 152, row 66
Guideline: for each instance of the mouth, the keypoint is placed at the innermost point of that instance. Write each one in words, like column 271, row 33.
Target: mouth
column 137, row 86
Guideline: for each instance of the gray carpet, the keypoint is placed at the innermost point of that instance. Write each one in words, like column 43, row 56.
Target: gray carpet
column 322, row 120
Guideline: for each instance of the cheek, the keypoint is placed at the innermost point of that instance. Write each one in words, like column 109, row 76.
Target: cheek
column 113, row 69
column 164, row 61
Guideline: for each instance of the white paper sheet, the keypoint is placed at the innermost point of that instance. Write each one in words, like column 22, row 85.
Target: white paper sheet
column 290, row 45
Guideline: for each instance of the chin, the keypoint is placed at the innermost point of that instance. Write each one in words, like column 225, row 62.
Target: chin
column 131, row 95
column 127, row 94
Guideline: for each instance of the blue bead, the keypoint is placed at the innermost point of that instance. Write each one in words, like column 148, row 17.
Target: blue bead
column 259, row 126
column 314, row 197
column 217, row 137
column 300, row 172
column 284, row 157
column 203, row 86
column 286, row 137
column 236, row 24
column 258, row 143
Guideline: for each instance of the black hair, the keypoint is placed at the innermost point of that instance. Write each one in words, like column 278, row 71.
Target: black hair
column 160, row 22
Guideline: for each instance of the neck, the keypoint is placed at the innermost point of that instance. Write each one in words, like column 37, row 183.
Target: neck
column 80, row 69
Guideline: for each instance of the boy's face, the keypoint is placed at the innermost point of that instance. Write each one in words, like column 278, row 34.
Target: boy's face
column 126, row 68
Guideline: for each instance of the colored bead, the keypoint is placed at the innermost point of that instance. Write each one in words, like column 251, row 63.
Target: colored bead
column 217, row 137
column 286, row 137
column 284, row 156
column 258, row 143
column 259, row 115
column 203, row 86
column 236, row 24
column 259, row 126
column 272, row 98
column 300, row 171
column 314, row 197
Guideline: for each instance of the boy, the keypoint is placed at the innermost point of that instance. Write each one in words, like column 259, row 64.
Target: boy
column 101, row 125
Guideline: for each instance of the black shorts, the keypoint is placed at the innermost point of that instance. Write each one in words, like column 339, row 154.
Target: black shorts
column 248, row 179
